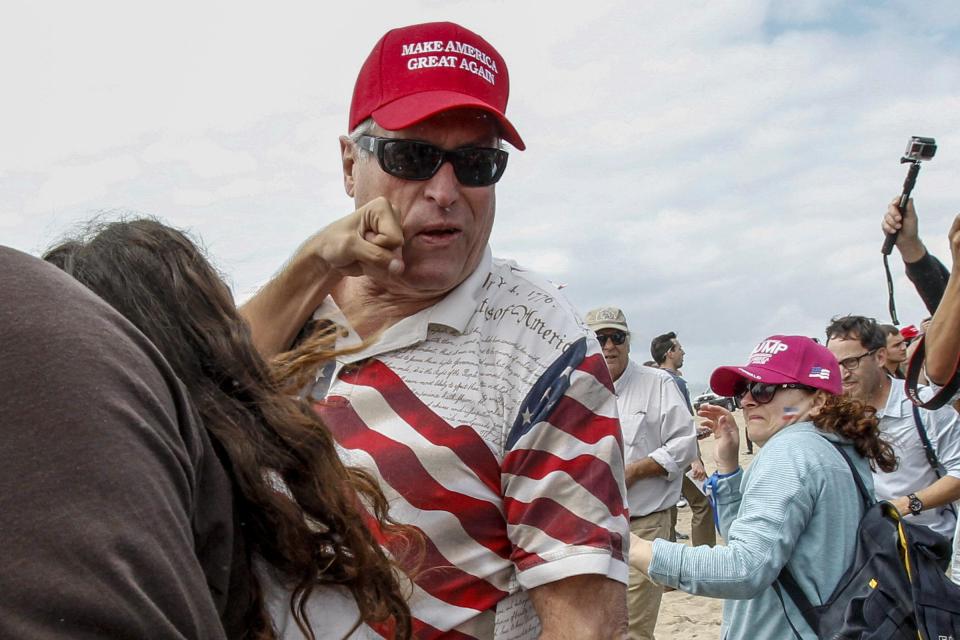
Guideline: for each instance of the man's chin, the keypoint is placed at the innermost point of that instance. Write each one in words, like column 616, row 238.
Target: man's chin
column 852, row 391
column 431, row 279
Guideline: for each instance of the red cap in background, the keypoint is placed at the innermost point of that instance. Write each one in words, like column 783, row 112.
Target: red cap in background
column 910, row 332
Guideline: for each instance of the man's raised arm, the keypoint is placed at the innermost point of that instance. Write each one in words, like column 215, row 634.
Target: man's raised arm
column 943, row 335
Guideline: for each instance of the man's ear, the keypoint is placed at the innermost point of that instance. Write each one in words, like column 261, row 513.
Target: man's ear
column 881, row 356
column 348, row 161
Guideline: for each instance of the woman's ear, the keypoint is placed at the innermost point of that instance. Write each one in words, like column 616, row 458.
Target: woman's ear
column 819, row 399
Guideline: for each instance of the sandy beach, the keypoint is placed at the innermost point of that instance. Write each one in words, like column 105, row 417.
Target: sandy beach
column 683, row 615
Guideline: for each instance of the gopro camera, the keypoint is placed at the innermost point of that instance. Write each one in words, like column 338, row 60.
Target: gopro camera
column 919, row 149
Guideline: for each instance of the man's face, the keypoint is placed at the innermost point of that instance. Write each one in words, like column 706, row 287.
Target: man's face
column 676, row 353
column 861, row 378
column 445, row 224
column 615, row 355
column 896, row 349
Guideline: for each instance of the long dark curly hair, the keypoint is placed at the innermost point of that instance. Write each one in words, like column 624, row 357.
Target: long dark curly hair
column 311, row 531
column 858, row 423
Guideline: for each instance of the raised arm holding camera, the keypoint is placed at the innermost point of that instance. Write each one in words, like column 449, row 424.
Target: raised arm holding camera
column 927, row 274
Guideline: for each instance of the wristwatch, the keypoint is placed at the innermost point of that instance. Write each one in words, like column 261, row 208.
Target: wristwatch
column 916, row 505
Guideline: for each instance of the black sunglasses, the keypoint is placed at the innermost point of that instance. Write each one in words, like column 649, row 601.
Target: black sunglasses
column 761, row 392
column 618, row 337
column 415, row 160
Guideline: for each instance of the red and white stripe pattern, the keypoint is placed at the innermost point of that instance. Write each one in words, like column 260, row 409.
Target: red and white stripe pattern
column 546, row 505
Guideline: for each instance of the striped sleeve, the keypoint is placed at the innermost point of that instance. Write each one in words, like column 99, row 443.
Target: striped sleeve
column 562, row 474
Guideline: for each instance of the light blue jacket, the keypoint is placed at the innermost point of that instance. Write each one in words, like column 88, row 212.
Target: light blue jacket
column 796, row 505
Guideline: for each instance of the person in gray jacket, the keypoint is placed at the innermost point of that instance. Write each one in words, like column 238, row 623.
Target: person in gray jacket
column 797, row 506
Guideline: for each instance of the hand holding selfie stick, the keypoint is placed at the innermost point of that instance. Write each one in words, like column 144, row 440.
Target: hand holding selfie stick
column 918, row 150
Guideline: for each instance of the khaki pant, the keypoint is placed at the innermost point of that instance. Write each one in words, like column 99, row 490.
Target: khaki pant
column 702, row 530
column 643, row 595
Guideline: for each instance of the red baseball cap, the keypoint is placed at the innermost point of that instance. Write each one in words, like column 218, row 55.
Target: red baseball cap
column 910, row 332
column 782, row 360
column 418, row 71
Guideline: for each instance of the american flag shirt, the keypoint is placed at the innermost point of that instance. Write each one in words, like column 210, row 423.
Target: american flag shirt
column 491, row 423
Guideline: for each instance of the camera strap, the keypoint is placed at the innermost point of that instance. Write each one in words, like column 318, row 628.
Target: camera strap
column 942, row 397
column 891, row 304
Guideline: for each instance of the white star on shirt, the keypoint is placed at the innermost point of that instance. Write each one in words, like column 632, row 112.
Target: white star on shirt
column 527, row 416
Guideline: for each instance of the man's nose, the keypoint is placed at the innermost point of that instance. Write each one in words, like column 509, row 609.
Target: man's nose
column 443, row 188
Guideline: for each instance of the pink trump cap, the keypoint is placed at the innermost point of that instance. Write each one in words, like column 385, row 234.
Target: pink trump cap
column 782, row 360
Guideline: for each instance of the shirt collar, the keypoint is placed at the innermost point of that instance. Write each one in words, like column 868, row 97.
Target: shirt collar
column 458, row 306
column 896, row 401
column 624, row 378
column 453, row 311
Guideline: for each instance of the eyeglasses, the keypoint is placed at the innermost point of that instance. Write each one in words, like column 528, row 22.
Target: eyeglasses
column 618, row 337
column 853, row 362
column 415, row 160
column 762, row 392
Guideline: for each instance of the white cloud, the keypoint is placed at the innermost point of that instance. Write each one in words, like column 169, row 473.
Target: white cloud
column 203, row 157
column 74, row 184
column 240, row 188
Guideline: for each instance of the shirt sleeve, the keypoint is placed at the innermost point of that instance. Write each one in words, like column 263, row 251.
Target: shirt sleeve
column 726, row 499
column 929, row 277
column 945, row 438
column 774, row 509
column 677, row 432
column 562, row 474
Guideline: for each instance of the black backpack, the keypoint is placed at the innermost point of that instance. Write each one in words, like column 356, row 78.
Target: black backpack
column 896, row 586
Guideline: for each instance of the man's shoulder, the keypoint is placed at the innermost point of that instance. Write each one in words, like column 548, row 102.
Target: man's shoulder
column 23, row 275
column 929, row 417
column 638, row 378
column 652, row 373
column 508, row 280
column 942, row 419
column 677, row 377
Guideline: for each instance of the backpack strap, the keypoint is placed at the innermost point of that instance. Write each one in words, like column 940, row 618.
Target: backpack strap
column 789, row 583
column 927, row 447
column 868, row 498
column 786, row 578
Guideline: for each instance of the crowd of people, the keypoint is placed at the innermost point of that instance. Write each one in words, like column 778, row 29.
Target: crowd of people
column 403, row 436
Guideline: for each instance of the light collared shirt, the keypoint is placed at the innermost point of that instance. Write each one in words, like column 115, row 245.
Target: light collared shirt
column 657, row 424
column 913, row 472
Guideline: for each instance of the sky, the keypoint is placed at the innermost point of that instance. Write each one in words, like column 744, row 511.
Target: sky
column 714, row 168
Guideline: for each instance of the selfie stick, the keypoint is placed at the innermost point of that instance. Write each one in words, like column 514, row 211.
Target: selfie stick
column 904, row 197
column 918, row 149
